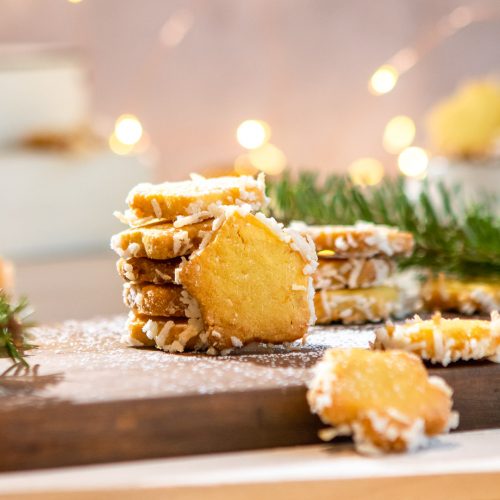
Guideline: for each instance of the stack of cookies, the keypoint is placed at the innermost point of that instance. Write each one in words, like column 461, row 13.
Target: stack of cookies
column 204, row 270
column 353, row 281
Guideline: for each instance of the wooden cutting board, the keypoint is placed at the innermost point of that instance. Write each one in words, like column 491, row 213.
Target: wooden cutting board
column 90, row 399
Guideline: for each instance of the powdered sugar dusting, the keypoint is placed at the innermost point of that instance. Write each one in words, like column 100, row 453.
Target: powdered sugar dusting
column 95, row 365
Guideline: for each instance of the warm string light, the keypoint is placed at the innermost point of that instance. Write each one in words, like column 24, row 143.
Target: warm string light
column 366, row 172
column 399, row 133
column 128, row 129
column 268, row 158
column 261, row 156
column 413, row 162
column 252, row 134
column 118, row 147
column 384, row 78
column 128, row 136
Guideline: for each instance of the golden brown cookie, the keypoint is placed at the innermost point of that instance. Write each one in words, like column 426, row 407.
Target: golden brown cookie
column 385, row 399
column 336, row 274
column 252, row 282
column 196, row 197
column 356, row 306
column 160, row 241
column 168, row 334
column 468, row 297
column 442, row 340
column 136, row 337
column 359, row 241
column 155, row 300
column 157, row 272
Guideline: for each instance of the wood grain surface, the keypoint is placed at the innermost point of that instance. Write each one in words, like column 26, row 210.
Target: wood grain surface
column 90, row 399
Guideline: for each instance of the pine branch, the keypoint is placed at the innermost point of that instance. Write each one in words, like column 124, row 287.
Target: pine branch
column 450, row 235
column 14, row 330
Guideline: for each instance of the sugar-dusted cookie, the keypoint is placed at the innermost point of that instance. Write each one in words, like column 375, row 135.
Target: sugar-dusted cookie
column 155, row 300
column 252, row 282
column 160, row 241
column 442, row 340
column 158, row 272
column 359, row 241
column 168, row 334
column 384, row 399
column 468, row 297
column 136, row 336
column 356, row 306
column 194, row 198
column 336, row 274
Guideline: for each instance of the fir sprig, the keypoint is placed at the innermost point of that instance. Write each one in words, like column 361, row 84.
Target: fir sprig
column 451, row 235
column 13, row 328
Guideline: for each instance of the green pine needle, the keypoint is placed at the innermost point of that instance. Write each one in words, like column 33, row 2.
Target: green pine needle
column 462, row 239
column 14, row 329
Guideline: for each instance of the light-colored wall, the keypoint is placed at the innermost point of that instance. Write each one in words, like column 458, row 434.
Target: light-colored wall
column 302, row 65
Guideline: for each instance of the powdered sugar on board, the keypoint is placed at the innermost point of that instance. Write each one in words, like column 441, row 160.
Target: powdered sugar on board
column 86, row 362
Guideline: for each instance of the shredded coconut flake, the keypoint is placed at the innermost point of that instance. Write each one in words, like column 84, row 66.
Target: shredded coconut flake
column 236, row 342
column 156, row 208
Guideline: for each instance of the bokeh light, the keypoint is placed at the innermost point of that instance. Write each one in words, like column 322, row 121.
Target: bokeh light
column 383, row 80
column 128, row 129
column 252, row 134
column 269, row 159
column 119, row 147
column 399, row 133
column 243, row 165
column 413, row 162
column 366, row 171
column 74, row 1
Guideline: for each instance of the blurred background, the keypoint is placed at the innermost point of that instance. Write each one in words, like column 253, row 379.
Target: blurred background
column 98, row 95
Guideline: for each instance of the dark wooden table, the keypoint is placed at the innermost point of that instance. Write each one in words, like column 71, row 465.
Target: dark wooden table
column 90, row 399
